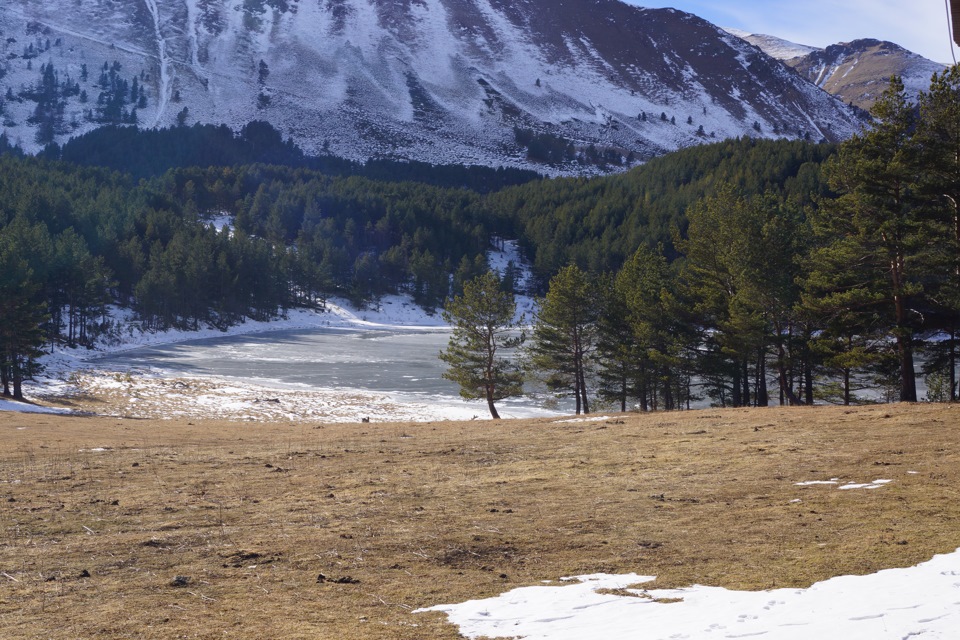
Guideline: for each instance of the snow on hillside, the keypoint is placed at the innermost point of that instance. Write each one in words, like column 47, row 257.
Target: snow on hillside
column 771, row 45
column 439, row 81
column 922, row 601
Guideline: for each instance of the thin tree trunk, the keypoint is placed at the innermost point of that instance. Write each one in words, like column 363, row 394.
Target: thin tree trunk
column 737, row 397
column 493, row 409
column 763, row 398
column 746, row 382
column 582, row 383
column 846, row 386
column 953, row 364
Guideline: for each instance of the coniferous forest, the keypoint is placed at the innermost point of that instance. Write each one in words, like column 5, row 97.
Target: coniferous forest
column 748, row 271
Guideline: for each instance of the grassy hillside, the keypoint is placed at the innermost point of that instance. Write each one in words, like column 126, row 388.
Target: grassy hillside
column 116, row 528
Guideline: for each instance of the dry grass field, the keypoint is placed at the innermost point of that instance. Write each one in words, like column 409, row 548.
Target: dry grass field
column 121, row 528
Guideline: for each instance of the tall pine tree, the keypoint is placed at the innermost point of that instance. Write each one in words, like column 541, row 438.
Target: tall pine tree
column 484, row 327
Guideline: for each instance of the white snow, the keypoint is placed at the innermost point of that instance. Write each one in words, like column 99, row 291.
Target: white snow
column 876, row 484
column 24, row 407
column 164, row 60
column 773, row 46
column 922, row 601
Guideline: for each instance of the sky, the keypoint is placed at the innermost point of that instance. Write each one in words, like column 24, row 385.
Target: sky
column 919, row 25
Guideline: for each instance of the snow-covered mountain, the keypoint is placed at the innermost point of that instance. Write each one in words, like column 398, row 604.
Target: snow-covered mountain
column 494, row 82
column 856, row 72
column 773, row 46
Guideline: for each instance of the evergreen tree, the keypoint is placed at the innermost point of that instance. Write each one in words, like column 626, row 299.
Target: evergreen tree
column 619, row 357
column 876, row 237
column 939, row 138
column 24, row 248
column 483, row 326
column 564, row 334
column 659, row 336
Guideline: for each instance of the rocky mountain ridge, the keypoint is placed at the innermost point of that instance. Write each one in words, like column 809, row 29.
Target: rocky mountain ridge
column 856, row 72
column 568, row 87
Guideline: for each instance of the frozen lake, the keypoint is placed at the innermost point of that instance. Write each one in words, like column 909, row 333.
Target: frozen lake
column 400, row 363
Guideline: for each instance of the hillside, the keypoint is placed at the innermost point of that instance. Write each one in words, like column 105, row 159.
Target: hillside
column 855, row 72
column 574, row 87
column 156, row 529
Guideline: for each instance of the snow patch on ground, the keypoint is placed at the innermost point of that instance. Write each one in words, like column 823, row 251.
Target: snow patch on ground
column 24, row 407
column 876, row 484
column 892, row 604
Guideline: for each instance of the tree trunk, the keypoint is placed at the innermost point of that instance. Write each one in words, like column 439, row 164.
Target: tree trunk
column 786, row 389
column 908, row 377
column 737, row 397
column 746, row 382
column 668, row 404
column 953, row 364
column 493, row 409
column 846, row 386
column 17, row 375
column 763, row 398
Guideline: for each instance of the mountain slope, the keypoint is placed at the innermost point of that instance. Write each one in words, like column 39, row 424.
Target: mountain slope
column 773, row 46
column 446, row 81
column 857, row 72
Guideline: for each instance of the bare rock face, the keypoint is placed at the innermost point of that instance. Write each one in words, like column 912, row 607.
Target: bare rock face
column 464, row 81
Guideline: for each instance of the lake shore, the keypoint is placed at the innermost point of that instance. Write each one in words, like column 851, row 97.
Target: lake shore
column 78, row 380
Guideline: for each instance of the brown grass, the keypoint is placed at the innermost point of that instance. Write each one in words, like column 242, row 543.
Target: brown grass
column 213, row 529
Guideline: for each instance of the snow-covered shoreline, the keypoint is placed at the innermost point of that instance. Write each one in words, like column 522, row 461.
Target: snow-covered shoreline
column 69, row 372
column 152, row 392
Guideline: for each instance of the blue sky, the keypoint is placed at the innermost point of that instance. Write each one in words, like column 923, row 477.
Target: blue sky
column 918, row 25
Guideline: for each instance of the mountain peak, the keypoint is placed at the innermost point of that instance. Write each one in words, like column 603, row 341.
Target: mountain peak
column 773, row 46
column 859, row 71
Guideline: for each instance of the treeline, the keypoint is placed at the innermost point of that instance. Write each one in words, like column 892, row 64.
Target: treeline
column 779, row 298
column 147, row 153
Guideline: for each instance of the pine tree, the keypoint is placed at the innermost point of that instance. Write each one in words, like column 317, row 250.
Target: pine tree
column 619, row 357
column 564, row 334
column 483, row 327
column 939, row 137
column 659, row 337
column 876, row 238
column 24, row 249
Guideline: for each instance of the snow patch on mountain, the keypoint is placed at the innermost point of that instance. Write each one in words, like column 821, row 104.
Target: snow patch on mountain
column 773, row 46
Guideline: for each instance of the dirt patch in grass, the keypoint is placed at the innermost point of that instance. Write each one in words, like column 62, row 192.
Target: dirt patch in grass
column 116, row 528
